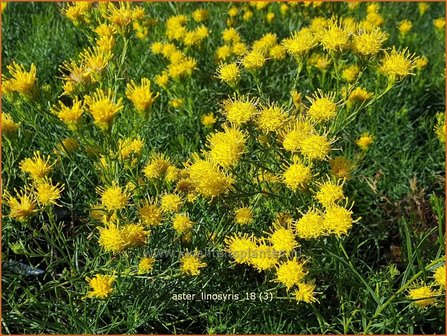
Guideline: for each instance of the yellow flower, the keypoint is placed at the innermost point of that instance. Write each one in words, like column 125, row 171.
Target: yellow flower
column 208, row 120
column 300, row 43
column 243, row 216
column 101, row 286
column 111, row 238
column 141, row 96
column 191, row 264
column 283, row 239
column 247, row 15
column 422, row 296
column 231, row 35
column 176, row 102
column 321, row 62
column 208, row 179
column 265, row 43
column 439, row 23
column 254, row 60
column 240, row 247
column 46, row 193
column 8, row 124
column 134, row 235
column 365, row 141
column 105, row 30
column 329, row 193
column 239, row 49
column 290, row 273
column 440, row 127
column 146, row 265
column 350, row 73
column 277, row 52
column 223, row 52
column 171, row 202
column 271, row 118
column 297, row 175
column 397, row 64
column 239, row 111
column 423, row 8
column 181, row 223
column 121, row 15
column 310, row 225
column 439, row 276
column 315, row 147
column 71, row 116
column 335, row 37
column 323, row 107
column 269, row 17
column 150, row 214
column 22, row 205
column 22, row 81
column 103, row 107
column 227, row 147
column 200, row 15
column 77, row 11
column 37, row 166
column 113, row 197
column 421, row 62
column 405, row 26
column 296, row 98
column 305, row 293
column 228, row 73
column 358, row 96
column 264, row 257
column 162, row 79
column 94, row 61
column 129, row 147
column 369, row 43
column 337, row 220
column 157, row 166
column 341, row 167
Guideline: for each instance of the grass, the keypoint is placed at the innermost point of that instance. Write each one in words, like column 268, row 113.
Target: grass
column 362, row 278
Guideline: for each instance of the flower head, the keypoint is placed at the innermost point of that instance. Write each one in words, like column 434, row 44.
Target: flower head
column 329, row 193
column 70, row 115
column 439, row 275
column 365, row 141
column 146, row 265
column 240, row 247
column 397, row 64
column 300, row 43
column 271, row 118
column 37, row 166
column 22, row 81
column 141, row 95
column 47, row 193
column 150, row 214
column 8, row 125
column 297, row 175
column 228, row 73
column 323, row 107
column 181, row 223
column 337, row 220
column 134, row 235
column 315, row 147
column 171, row 202
column 305, row 293
column 191, row 264
column 290, row 273
column 103, row 108
column 101, row 286
column 369, row 43
column 239, row 111
column 243, row 216
column 422, row 296
column 22, row 206
column 111, row 238
column 113, row 197
column 310, row 225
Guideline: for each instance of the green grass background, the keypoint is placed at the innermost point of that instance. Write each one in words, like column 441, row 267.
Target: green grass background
column 398, row 192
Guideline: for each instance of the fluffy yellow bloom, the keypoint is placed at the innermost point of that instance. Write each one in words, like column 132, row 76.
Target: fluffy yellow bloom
column 228, row 73
column 105, row 30
column 113, row 197
column 341, row 167
column 240, row 247
column 223, row 52
column 369, row 43
column 71, row 116
column 94, row 62
column 227, row 147
column 243, row 216
column 156, row 166
column 421, row 62
column 111, row 238
column 208, row 179
column 47, row 193
column 358, row 96
column 405, row 26
column 329, row 193
column 141, row 95
column 101, row 286
column 323, row 107
column 22, row 206
column 239, row 111
column 134, row 235
column 181, row 223
column 209, row 120
column 315, row 147
column 397, row 64
column 439, row 23
column 277, row 52
column 191, row 264
column 77, row 11
column 22, row 81
column 171, row 202
column 146, row 265
column 295, row 133
column 439, row 275
column 350, row 73
column 264, row 257
column 162, row 80
column 365, row 141
column 239, row 49
column 129, row 147
column 422, row 296
column 231, row 35
column 290, row 273
column 9, row 126
column 337, row 220
column 297, row 175
column 271, row 118
column 283, row 240
column 176, row 102
column 247, row 15
column 150, row 214
column 335, row 37
column 321, row 62
column 300, row 43
column 305, row 293
column 182, row 69
column 266, row 42
column 375, row 19
column 310, row 225
column 254, row 60
column 38, row 167
column 423, row 8
column 200, row 15
column 121, row 15
column 103, row 108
